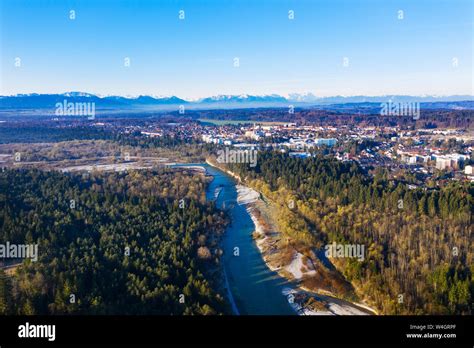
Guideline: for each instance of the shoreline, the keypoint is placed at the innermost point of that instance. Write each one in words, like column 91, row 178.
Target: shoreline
column 294, row 267
column 333, row 305
column 223, row 282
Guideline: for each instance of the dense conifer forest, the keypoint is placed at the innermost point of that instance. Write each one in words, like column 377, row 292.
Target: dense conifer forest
column 137, row 242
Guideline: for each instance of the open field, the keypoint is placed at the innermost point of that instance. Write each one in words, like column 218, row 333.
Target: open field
column 86, row 155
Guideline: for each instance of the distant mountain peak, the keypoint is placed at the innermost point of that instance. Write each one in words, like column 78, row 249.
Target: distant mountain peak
column 306, row 97
column 244, row 98
column 78, row 94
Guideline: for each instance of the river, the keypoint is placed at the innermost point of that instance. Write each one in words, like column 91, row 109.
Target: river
column 253, row 288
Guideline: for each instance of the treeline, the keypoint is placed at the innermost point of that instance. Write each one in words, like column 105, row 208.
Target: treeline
column 418, row 242
column 37, row 132
column 188, row 149
column 136, row 139
column 143, row 242
column 345, row 114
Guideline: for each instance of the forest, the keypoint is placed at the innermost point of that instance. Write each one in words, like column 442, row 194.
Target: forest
column 35, row 132
column 419, row 241
column 338, row 115
column 136, row 242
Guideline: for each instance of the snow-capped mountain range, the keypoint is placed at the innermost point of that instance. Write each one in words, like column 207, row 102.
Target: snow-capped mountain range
column 39, row 101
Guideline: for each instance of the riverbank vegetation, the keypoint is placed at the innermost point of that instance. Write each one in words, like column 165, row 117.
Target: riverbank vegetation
column 418, row 243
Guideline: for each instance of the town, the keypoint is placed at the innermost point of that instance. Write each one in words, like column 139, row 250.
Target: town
column 432, row 156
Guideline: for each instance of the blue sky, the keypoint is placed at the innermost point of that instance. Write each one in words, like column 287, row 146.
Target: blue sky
column 194, row 57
